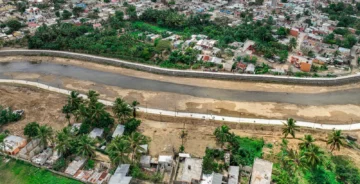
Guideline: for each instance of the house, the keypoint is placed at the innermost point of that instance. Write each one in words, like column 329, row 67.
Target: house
column 249, row 45
column 206, row 44
column 75, row 165
column 96, row 132
column 294, row 32
column 215, row 60
column 233, row 177
column 32, row 148
column 250, row 69
column 53, row 158
column 119, row 131
column 214, row 178
column 301, row 62
column 165, row 162
column 144, row 147
column 42, row 157
column 119, row 177
column 191, row 171
column 344, row 51
column 321, row 60
column 261, row 172
column 13, row 144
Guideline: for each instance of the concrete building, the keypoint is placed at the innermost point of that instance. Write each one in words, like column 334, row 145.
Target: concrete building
column 190, row 171
column 119, row 176
column 96, row 132
column 233, row 175
column 75, row 165
column 119, row 131
column 13, row 144
column 165, row 162
column 42, row 157
column 261, row 172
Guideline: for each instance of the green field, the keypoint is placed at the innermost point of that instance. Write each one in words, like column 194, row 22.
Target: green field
column 19, row 172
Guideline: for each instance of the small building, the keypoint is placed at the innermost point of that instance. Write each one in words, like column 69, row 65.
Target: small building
column 294, row 32
column 13, row 144
column 53, row 158
column 75, row 165
column 145, row 148
column 42, row 157
column 119, row 177
column 214, row 178
column 165, row 162
column 191, row 171
column 96, row 132
column 145, row 161
column 261, row 172
column 233, row 177
column 31, row 149
column 119, row 131
column 250, row 69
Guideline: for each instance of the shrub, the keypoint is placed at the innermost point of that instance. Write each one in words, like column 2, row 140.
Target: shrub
column 31, row 129
column 60, row 164
column 90, row 164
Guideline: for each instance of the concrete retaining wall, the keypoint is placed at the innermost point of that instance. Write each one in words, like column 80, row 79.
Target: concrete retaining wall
column 188, row 73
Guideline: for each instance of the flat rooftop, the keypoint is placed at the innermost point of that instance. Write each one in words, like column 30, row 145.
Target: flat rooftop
column 261, row 172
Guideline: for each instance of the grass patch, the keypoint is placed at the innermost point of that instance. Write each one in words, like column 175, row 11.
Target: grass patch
column 19, row 172
column 149, row 27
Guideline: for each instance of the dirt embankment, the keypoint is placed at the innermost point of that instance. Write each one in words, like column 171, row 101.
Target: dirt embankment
column 45, row 108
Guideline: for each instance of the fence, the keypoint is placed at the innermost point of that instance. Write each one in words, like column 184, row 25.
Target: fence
column 353, row 126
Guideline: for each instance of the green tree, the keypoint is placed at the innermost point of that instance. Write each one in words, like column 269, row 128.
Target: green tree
column 13, row 24
column 66, row 15
column 86, row 147
column 67, row 110
column 31, row 129
column 119, row 150
column 134, row 105
column 63, row 141
column 131, row 126
column 295, row 161
column 290, row 128
column 121, row 110
column 45, row 135
column 292, row 43
column 76, row 11
column 163, row 45
column 313, row 155
column 335, row 140
column 222, row 134
column 307, row 141
column 337, row 53
column 135, row 140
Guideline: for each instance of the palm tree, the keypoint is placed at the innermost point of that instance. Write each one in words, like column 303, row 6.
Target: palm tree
column 308, row 140
column 313, row 155
column 121, row 110
column 67, row 110
column 45, row 134
column 135, row 140
column 119, row 150
column 93, row 97
column 290, row 128
column 294, row 160
column 222, row 134
column 86, row 147
column 63, row 141
column 97, row 111
column 134, row 105
column 335, row 139
column 74, row 100
column 292, row 43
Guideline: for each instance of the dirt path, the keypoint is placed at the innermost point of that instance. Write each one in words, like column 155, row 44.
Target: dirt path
column 220, row 84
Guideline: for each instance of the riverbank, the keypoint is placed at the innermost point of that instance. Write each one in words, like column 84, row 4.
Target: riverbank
column 187, row 73
column 212, row 83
